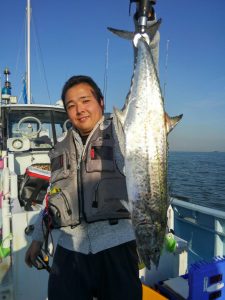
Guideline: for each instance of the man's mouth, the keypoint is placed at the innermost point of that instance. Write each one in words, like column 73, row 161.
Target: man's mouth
column 83, row 119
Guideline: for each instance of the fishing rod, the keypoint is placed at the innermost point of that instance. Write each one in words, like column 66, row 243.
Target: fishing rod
column 143, row 13
column 144, row 10
column 42, row 262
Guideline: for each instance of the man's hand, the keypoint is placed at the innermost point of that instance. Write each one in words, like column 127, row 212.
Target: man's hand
column 33, row 251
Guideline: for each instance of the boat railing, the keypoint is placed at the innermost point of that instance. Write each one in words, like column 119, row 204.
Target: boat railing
column 202, row 227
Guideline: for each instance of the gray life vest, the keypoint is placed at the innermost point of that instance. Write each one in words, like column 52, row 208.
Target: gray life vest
column 92, row 189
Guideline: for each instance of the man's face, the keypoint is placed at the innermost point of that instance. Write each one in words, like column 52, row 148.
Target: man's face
column 82, row 107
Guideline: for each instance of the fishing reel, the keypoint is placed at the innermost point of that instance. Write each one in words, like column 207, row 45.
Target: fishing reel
column 144, row 11
column 42, row 262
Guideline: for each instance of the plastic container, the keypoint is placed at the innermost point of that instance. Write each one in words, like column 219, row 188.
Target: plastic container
column 149, row 293
column 206, row 280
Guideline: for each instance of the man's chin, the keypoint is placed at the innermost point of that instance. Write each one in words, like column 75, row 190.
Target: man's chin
column 84, row 131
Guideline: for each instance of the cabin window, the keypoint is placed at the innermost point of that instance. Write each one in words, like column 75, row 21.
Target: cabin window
column 41, row 127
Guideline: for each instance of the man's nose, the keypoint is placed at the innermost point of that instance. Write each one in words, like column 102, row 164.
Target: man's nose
column 80, row 108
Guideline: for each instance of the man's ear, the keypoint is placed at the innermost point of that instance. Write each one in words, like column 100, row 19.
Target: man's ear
column 102, row 103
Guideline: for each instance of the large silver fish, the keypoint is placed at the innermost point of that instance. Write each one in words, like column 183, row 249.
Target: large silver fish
column 146, row 126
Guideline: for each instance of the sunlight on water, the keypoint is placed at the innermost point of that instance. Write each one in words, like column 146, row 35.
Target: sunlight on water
column 199, row 176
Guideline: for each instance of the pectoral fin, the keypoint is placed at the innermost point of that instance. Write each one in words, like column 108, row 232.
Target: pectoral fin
column 129, row 35
column 171, row 122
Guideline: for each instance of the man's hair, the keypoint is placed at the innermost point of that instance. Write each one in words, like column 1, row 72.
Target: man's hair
column 74, row 80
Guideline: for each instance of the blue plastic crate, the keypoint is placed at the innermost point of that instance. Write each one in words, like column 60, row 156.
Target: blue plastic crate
column 206, row 280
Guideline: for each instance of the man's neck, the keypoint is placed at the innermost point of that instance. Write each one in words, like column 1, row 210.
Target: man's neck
column 84, row 138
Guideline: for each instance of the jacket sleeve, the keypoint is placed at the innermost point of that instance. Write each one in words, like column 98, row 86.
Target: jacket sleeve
column 38, row 234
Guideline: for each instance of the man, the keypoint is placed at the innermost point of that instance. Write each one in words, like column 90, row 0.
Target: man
column 96, row 252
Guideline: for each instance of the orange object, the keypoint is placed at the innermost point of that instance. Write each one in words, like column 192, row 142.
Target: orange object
column 150, row 294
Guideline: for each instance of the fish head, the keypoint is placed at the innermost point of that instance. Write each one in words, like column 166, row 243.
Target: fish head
column 139, row 36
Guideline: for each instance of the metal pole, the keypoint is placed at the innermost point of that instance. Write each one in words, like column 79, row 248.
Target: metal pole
column 0, row 89
column 28, row 53
column 0, row 107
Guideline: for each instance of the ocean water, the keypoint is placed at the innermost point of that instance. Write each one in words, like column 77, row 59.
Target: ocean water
column 198, row 177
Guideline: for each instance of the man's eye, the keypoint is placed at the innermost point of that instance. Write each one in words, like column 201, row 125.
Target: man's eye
column 70, row 106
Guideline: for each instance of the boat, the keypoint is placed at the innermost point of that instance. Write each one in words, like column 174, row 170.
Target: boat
column 31, row 131
column 27, row 133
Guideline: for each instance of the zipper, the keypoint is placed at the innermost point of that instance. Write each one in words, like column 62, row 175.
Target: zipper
column 90, row 135
column 67, row 204
column 95, row 202
column 81, row 201
column 80, row 168
column 79, row 178
column 79, row 189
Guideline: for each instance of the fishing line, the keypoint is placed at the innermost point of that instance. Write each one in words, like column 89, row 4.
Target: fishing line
column 37, row 42
column 106, row 73
column 23, row 29
column 166, row 69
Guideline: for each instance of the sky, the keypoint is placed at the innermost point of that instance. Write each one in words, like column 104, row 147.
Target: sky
column 70, row 37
